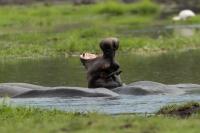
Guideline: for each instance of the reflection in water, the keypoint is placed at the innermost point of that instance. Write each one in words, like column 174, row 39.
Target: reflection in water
column 184, row 30
column 166, row 68
column 166, row 31
column 187, row 32
column 48, row 71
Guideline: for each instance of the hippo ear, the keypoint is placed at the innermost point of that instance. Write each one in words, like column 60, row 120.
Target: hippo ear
column 116, row 44
column 101, row 45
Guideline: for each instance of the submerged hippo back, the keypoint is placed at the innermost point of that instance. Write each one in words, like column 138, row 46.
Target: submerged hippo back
column 148, row 87
column 68, row 92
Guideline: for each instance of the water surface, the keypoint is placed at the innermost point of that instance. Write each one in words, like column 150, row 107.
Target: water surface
column 168, row 68
column 163, row 31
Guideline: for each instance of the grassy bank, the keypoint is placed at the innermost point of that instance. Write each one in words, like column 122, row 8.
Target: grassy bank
column 23, row 120
column 51, row 30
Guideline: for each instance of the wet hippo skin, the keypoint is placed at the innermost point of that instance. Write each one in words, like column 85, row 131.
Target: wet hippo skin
column 103, row 70
column 24, row 90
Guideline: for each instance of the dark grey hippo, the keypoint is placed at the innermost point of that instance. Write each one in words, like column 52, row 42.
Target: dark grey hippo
column 147, row 88
column 24, row 90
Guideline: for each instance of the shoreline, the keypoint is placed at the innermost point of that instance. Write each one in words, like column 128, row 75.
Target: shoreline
column 140, row 52
column 25, row 119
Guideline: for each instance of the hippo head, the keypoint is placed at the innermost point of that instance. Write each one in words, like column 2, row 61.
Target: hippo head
column 109, row 46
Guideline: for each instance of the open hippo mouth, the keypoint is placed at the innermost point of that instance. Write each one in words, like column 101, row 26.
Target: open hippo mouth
column 88, row 56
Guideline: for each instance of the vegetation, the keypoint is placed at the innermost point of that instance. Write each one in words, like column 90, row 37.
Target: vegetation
column 144, row 7
column 34, row 120
column 183, row 110
column 51, row 30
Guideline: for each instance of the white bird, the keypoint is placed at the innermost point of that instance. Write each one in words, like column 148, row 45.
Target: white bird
column 184, row 14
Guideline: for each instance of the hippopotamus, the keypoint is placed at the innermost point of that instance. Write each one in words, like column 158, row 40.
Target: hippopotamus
column 103, row 70
column 25, row 90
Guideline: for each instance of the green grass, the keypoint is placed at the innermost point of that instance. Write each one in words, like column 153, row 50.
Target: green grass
column 182, row 110
column 143, row 7
column 34, row 120
column 52, row 30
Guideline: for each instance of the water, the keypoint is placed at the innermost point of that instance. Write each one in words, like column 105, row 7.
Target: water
column 163, row 31
column 123, row 104
column 168, row 68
